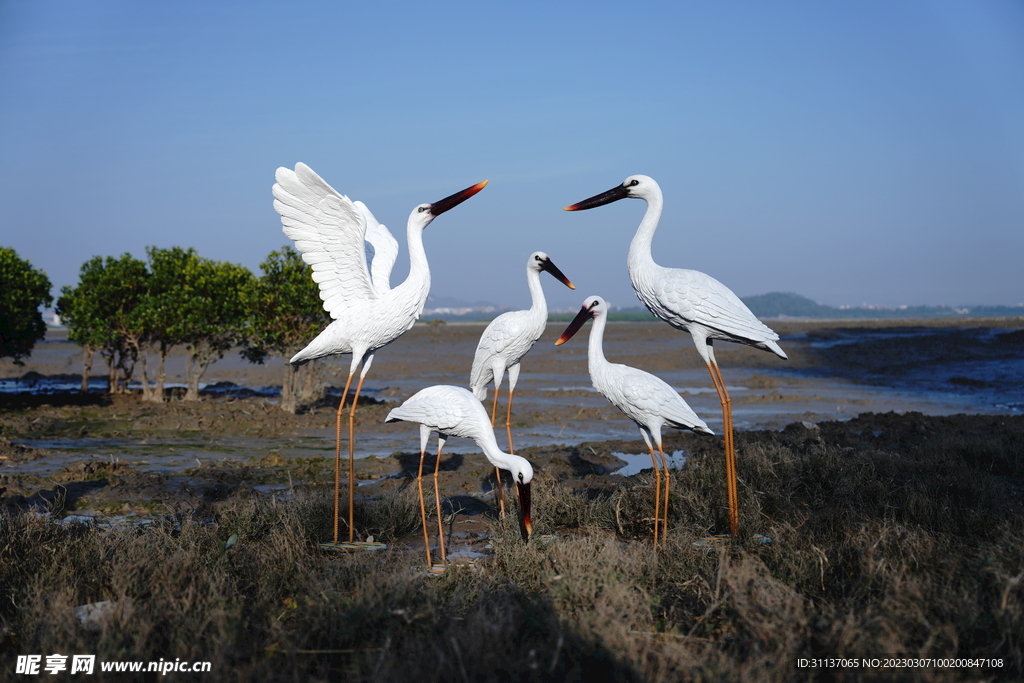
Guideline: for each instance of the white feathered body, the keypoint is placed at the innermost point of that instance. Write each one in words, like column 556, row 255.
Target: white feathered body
column 503, row 344
column 509, row 337
column 644, row 398
column 701, row 305
column 689, row 299
column 352, row 256
column 454, row 411
column 360, row 327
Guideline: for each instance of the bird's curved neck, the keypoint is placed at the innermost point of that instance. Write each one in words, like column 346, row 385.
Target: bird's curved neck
column 539, row 306
column 418, row 279
column 640, row 247
column 489, row 445
column 595, row 351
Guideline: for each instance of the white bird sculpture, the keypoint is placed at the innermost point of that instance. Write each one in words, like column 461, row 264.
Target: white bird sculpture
column 507, row 339
column 692, row 301
column 454, row 411
column 352, row 256
column 645, row 399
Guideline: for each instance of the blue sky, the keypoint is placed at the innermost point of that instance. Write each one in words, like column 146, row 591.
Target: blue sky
column 850, row 152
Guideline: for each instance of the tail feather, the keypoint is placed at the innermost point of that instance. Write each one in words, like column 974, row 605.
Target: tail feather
column 776, row 349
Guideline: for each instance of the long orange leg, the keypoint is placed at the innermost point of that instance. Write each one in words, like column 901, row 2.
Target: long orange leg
column 437, row 499
column 508, row 422
column 664, row 526
column 423, row 509
column 657, row 493
column 734, row 512
column 497, row 472
column 352, row 462
column 337, row 455
column 730, row 449
column 494, row 406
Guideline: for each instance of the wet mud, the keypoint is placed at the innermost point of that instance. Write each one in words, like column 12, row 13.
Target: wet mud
column 117, row 457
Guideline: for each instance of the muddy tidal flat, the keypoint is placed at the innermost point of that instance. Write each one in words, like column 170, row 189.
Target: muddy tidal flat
column 116, row 457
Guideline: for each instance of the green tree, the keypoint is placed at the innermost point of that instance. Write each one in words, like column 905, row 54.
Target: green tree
column 159, row 311
column 206, row 309
column 23, row 289
column 101, row 314
column 285, row 314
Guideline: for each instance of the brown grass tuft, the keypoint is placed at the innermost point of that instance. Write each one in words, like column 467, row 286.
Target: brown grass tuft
column 881, row 544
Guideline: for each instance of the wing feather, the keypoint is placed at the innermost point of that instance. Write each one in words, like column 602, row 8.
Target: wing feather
column 381, row 250
column 329, row 231
column 700, row 298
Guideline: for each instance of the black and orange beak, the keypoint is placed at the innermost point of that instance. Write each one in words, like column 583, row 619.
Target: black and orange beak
column 450, row 202
column 574, row 327
column 553, row 269
column 613, row 195
column 524, row 506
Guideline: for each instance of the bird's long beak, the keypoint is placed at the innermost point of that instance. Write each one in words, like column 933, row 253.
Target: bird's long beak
column 439, row 207
column 553, row 269
column 524, row 505
column 613, row 195
column 574, row 327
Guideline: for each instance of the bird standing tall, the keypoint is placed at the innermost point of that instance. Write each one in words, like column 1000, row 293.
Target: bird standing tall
column 352, row 256
column 644, row 398
column 453, row 411
column 506, row 340
column 692, row 301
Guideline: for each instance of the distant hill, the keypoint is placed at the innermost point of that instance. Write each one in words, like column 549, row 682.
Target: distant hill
column 787, row 305
column 777, row 305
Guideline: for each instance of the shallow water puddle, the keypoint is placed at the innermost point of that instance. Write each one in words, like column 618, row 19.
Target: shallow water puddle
column 638, row 462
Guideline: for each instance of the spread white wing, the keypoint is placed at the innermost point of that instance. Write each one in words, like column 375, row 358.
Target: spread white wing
column 329, row 231
column 381, row 250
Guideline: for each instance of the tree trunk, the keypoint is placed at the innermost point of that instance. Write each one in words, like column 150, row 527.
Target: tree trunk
column 126, row 364
column 314, row 387
column 113, row 375
column 288, row 403
column 87, row 352
column 199, row 359
column 161, row 376
column 147, row 391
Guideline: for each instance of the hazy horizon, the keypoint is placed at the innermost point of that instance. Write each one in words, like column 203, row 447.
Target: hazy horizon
column 870, row 153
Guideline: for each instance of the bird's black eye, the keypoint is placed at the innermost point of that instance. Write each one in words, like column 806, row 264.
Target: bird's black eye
column 422, row 209
column 520, row 477
column 634, row 182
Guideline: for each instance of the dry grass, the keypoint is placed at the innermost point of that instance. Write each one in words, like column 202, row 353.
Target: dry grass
column 880, row 545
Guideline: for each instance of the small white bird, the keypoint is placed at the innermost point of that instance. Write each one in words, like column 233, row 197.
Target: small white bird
column 645, row 399
column 507, row 339
column 692, row 301
column 352, row 256
column 454, row 411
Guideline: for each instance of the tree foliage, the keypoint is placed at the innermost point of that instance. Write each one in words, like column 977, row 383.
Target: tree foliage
column 23, row 289
column 127, row 309
column 124, row 308
column 285, row 314
column 207, row 309
column 101, row 313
